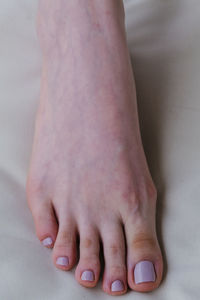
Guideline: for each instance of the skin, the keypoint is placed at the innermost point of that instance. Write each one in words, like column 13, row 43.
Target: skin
column 88, row 174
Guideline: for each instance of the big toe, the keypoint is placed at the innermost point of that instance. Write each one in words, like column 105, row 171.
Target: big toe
column 144, row 258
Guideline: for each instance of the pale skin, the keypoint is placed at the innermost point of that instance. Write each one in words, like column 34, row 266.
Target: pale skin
column 88, row 174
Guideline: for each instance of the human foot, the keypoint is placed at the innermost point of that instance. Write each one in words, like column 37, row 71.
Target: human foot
column 88, row 174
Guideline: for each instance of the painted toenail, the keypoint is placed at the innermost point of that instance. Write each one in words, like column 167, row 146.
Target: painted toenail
column 47, row 242
column 144, row 272
column 62, row 261
column 117, row 286
column 87, row 275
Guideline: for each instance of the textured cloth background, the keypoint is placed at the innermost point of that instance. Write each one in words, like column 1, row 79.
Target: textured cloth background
column 164, row 41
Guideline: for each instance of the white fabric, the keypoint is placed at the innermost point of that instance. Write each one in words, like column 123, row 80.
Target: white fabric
column 164, row 40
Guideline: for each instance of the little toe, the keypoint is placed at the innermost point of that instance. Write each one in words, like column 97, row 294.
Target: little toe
column 64, row 253
column 114, row 278
column 88, row 268
column 144, row 259
column 46, row 225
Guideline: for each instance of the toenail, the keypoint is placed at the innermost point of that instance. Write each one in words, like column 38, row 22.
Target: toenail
column 87, row 275
column 47, row 242
column 117, row 286
column 62, row 261
column 144, row 272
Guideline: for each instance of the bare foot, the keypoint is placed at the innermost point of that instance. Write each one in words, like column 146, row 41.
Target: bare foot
column 88, row 174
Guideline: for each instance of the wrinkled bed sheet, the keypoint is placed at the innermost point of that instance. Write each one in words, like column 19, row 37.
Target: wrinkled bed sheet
column 164, row 42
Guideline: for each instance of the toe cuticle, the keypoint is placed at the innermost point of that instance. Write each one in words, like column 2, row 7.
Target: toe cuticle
column 87, row 275
column 144, row 272
column 117, row 286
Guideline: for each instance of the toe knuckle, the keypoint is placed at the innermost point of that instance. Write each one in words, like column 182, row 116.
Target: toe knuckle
column 117, row 269
column 114, row 249
column 143, row 240
column 92, row 258
column 86, row 243
column 65, row 238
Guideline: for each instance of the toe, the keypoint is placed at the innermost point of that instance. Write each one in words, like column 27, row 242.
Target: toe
column 88, row 268
column 114, row 278
column 144, row 258
column 64, row 253
column 46, row 225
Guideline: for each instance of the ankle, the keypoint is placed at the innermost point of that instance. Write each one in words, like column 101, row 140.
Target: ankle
column 106, row 10
column 68, row 15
